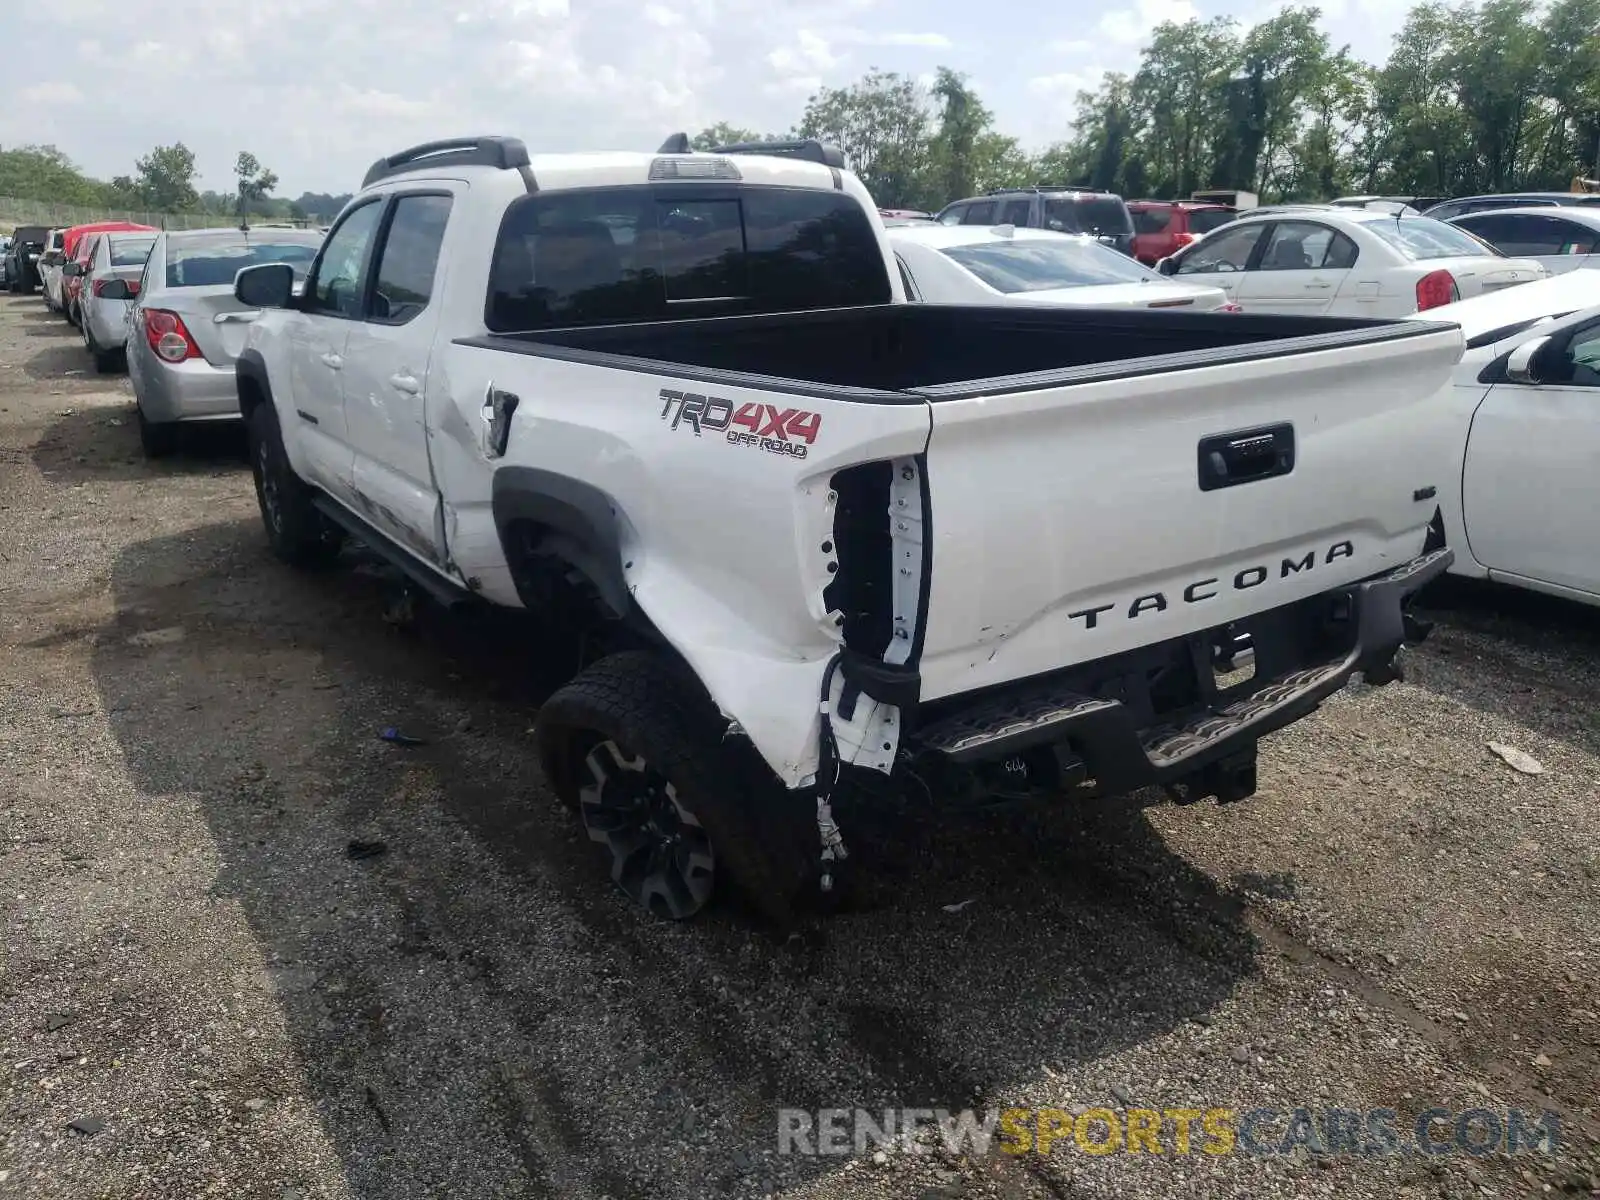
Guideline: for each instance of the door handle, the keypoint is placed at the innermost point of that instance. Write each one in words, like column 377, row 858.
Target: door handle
column 405, row 383
column 1320, row 285
column 332, row 361
column 227, row 317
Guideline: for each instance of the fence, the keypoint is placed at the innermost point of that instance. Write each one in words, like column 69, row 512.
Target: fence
column 15, row 212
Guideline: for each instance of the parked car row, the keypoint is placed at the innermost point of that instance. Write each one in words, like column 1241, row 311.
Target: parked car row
column 160, row 305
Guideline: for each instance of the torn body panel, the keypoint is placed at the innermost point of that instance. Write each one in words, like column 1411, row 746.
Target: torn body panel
column 722, row 522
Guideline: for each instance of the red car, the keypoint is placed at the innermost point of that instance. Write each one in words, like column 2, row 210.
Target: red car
column 75, row 242
column 1163, row 227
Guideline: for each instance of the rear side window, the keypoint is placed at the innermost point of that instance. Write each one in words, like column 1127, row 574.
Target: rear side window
column 1016, row 212
column 1423, row 238
column 130, row 252
column 1204, row 220
column 1520, row 234
column 647, row 254
column 1150, row 220
column 213, row 259
column 1088, row 214
column 409, row 257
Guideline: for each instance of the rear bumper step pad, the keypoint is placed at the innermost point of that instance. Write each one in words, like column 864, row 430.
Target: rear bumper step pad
column 1121, row 756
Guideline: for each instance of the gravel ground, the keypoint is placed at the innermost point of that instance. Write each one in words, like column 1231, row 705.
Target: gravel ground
column 194, row 965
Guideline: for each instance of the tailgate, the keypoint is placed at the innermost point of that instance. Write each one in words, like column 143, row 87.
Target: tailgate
column 1070, row 522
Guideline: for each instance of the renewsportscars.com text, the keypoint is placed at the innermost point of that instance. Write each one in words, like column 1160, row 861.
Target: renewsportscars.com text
column 1215, row 1131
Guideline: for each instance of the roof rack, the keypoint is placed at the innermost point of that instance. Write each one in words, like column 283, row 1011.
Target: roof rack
column 809, row 149
column 505, row 153
column 1048, row 187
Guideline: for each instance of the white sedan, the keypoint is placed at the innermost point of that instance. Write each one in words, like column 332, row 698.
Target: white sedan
column 1562, row 237
column 1519, row 499
column 999, row 264
column 1346, row 263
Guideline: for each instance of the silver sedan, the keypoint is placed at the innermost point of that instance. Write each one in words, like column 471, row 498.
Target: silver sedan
column 186, row 328
column 115, row 265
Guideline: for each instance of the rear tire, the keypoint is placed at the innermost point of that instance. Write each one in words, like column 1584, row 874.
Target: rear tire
column 297, row 532
column 637, row 748
column 106, row 362
column 158, row 440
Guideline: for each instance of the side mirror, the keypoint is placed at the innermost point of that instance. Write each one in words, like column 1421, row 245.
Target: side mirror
column 1166, row 266
column 72, row 270
column 1522, row 365
column 115, row 289
column 270, row 285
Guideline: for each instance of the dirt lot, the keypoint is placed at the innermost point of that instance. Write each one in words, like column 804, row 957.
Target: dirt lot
column 192, row 959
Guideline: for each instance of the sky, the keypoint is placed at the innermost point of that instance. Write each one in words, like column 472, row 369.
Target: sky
column 318, row 89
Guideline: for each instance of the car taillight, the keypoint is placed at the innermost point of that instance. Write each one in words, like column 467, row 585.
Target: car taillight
column 1436, row 288
column 168, row 336
column 1229, row 308
column 1183, row 239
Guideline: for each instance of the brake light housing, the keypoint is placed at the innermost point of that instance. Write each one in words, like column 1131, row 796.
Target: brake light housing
column 1435, row 289
column 168, row 336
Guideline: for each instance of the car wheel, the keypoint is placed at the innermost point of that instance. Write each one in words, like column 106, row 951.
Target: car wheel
column 297, row 532
column 157, row 438
column 637, row 747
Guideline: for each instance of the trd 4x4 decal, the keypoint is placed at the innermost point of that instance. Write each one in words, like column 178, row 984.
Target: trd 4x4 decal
column 776, row 430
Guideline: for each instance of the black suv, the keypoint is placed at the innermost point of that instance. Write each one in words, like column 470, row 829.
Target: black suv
column 22, row 260
column 1100, row 214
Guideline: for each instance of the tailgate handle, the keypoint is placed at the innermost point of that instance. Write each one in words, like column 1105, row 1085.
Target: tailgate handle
column 1245, row 456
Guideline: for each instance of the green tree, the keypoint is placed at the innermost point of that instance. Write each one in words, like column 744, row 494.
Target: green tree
column 723, row 134
column 1496, row 60
column 255, row 182
column 45, row 174
column 164, row 179
column 1180, row 92
column 1571, row 86
column 1286, row 63
column 883, row 124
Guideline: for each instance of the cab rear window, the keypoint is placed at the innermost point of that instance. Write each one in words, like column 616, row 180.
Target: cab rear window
column 657, row 253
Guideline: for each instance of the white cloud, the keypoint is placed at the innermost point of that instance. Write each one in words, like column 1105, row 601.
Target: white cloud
column 1064, row 84
column 318, row 89
column 931, row 41
column 808, row 52
column 51, row 92
column 1130, row 26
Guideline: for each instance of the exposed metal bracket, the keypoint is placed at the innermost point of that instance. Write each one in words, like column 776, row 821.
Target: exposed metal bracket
column 905, row 536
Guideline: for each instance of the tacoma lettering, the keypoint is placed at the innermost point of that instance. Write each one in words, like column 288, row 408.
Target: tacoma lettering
column 1206, row 589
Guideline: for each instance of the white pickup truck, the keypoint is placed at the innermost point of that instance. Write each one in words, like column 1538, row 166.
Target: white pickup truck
column 679, row 400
